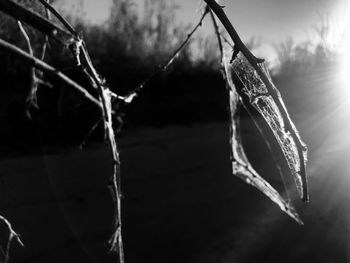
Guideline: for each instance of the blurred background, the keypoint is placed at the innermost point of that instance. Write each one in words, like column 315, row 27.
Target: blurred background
column 181, row 202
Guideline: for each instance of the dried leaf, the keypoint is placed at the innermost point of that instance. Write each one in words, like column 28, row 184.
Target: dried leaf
column 265, row 105
column 266, row 99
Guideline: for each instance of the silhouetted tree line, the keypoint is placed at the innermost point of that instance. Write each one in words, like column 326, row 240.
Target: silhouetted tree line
column 125, row 50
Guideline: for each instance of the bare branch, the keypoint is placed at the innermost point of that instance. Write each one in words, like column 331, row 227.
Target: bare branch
column 12, row 235
column 26, row 37
column 132, row 94
column 66, row 24
column 239, row 45
column 46, row 41
column 184, row 43
column 78, row 48
column 31, row 99
column 218, row 36
column 47, row 69
column 38, row 22
column 273, row 91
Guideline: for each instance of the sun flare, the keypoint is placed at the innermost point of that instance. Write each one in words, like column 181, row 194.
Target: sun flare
column 344, row 69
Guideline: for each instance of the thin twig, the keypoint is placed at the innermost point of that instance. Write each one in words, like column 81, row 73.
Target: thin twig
column 38, row 22
column 184, row 43
column 79, row 49
column 116, row 241
column 53, row 10
column 47, row 69
column 218, row 36
column 12, row 235
column 132, row 94
column 92, row 129
column 239, row 45
column 31, row 98
column 46, row 40
column 162, row 67
column 226, row 40
column 78, row 46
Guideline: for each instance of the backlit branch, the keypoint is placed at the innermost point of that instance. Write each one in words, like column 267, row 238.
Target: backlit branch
column 132, row 94
column 31, row 99
column 218, row 36
column 46, row 40
column 81, row 55
column 241, row 166
column 272, row 90
column 36, row 21
column 47, row 69
column 12, row 235
column 66, row 24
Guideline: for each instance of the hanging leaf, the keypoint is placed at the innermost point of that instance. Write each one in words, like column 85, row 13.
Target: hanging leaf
column 241, row 167
column 267, row 100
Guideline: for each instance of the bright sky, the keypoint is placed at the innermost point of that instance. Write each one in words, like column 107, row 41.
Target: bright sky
column 270, row 20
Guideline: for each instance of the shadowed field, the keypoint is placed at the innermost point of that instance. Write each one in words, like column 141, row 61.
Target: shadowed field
column 181, row 204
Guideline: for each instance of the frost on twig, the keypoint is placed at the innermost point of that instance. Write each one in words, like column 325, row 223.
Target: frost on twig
column 241, row 166
column 12, row 235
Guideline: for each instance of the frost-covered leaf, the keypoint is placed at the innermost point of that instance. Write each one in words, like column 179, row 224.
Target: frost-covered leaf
column 242, row 168
column 258, row 89
column 242, row 80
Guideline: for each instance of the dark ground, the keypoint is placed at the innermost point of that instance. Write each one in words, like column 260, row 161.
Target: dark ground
column 181, row 204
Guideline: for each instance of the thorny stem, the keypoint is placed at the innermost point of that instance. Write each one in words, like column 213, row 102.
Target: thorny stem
column 219, row 35
column 184, row 43
column 226, row 40
column 132, row 94
column 240, row 47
